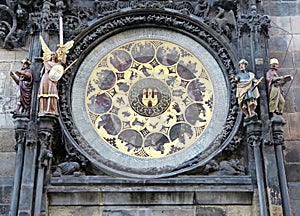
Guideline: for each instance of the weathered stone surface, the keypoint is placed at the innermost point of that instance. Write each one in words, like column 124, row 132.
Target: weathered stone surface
column 7, row 140
column 6, row 184
column 144, row 211
column 292, row 151
column 223, row 211
column 293, row 120
column 293, row 172
column 4, row 209
column 296, row 46
column 168, row 194
column 168, row 211
column 290, row 105
column 295, row 24
column 5, row 66
column 297, row 100
column 294, row 191
column 286, row 132
column 72, row 198
column 280, row 26
column 288, row 8
column 74, row 211
column 297, row 61
column 153, row 211
column 225, row 198
column 279, row 43
column 7, row 158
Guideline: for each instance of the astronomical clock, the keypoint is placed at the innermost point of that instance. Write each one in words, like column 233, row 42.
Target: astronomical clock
column 147, row 99
column 149, row 103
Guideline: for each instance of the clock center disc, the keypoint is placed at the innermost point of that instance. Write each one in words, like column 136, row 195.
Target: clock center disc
column 149, row 97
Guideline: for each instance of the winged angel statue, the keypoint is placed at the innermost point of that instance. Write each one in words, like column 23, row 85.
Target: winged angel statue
column 51, row 72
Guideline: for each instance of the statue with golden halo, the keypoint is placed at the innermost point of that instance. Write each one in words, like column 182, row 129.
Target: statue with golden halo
column 51, row 72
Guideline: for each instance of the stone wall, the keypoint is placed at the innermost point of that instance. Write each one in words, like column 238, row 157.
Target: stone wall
column 188, row 196
column 9, row 61
column 284, row 44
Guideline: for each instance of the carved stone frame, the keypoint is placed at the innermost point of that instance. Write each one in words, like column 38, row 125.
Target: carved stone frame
column 141, row 18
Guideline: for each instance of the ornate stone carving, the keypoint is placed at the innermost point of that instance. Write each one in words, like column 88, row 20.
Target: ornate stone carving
column 73, row 162
column 253, row 131
column 21, row 123
column 253, row 22
column 20, row 18
column 277, row 130
column 230, row 167
column 67, row 168
column 46, row 136
column 235, row 142
column 8, row 26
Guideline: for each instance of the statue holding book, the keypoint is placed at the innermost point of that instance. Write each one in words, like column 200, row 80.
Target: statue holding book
column 275, row 88
column 24, row 79
column 247, row 89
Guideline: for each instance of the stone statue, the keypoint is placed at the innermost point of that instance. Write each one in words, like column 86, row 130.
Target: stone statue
column 51, row 72
column 247, row 92
column 275, row 91
column 230, row 167
column 67, row 168
column 24, row 79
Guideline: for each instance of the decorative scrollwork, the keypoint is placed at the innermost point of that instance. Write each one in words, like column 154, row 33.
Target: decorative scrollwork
column 20, row 137
column 8, row 26
column 27, row 17
column 253, row 23
column 254, row 140
column 277, row 130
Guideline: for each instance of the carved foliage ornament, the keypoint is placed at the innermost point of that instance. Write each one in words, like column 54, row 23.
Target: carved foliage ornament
column 20, row 18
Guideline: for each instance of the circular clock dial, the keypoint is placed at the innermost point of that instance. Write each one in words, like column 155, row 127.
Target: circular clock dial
column 149, row 99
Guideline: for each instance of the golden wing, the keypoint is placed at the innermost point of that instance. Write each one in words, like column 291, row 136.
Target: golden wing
column 46, row 50
column 68, row 45
column 63, row 49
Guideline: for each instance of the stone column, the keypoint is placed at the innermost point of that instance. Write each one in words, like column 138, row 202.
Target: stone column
column 47, row 125
column 21, row 126
column 278, row 140
column 253, row 130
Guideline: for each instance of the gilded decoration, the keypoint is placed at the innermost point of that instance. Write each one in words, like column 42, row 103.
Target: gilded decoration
column 122, row 129
column 149, row 98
